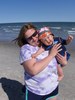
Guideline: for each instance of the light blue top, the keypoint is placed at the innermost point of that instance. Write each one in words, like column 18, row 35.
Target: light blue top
column 44, row 82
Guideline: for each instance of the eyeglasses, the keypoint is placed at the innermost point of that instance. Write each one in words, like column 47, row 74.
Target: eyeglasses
column 33, row 35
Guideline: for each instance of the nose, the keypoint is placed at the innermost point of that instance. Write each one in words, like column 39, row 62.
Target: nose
column 48, row 40
column 34, row 38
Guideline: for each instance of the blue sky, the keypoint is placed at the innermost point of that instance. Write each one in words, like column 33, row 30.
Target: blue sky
column 37, row 11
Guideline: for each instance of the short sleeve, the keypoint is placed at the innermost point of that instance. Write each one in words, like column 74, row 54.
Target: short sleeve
column 25, row 54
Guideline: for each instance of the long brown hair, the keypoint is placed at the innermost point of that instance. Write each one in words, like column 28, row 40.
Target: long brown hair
column 21, row 37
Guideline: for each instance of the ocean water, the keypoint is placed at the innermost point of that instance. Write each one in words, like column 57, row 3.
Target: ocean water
column 10, row 31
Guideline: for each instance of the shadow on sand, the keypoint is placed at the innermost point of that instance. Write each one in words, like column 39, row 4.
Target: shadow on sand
column 12, row 88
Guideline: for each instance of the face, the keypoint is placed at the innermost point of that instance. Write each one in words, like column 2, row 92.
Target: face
column 48, row 39
column 32, row 37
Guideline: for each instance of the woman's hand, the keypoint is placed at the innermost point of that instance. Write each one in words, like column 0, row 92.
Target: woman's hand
column 55, row 49
column 62, row 59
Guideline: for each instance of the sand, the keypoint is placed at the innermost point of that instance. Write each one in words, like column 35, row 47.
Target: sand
column 11, row 72
column 11, row 75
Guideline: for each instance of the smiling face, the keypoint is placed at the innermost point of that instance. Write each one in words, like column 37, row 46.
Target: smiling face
column 31, row 37
column 46, row 38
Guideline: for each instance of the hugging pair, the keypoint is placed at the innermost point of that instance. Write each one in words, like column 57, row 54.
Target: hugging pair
column 47, row 40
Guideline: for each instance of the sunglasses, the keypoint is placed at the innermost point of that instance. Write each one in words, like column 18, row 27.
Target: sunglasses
column 33, row 35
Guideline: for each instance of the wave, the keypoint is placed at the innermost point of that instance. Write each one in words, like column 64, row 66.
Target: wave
column 56, row 28
column 73, row 28
column 71, row 32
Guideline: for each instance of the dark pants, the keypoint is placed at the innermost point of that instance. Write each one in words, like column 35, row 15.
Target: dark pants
column 32, row 96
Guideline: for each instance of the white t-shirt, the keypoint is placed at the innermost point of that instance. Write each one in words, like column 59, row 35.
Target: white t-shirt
column 44, row 82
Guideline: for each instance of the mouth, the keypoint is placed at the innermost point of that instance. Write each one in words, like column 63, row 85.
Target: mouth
column 49, row 41
column 36, row 43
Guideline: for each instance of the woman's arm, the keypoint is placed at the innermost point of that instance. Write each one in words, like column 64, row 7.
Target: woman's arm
column 33, row 67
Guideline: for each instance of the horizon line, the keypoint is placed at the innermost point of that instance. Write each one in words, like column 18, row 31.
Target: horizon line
column 39, row 22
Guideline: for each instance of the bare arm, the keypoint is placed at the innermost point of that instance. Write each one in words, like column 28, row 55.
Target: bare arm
column 38, row 52
column 33, row 67
column 69, row 39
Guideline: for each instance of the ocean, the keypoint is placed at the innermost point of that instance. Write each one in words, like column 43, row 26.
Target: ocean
column 10, row 31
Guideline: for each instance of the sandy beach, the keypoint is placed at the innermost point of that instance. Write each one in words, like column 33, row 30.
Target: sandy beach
column 11, row 74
